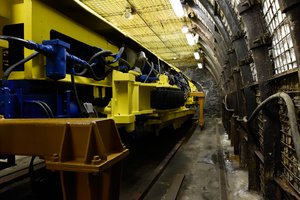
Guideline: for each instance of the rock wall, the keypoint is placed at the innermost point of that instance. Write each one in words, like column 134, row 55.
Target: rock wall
column 212, row 106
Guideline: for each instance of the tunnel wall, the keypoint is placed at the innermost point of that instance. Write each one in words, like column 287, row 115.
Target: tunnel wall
column 255, row 54
column 207, row 83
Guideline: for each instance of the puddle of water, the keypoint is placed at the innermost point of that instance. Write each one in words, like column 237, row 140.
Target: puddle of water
column 237, row 178
column 210, row 158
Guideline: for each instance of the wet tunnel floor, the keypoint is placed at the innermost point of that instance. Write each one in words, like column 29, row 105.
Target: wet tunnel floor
column 209, row 168
column 205, row 160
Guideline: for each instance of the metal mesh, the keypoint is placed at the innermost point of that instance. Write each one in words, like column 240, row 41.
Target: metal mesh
column 282, row 46
column 260, row 121
column 291, row 168
column 153, row 24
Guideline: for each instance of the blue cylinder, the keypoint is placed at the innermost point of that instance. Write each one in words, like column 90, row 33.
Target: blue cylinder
column 56, row 61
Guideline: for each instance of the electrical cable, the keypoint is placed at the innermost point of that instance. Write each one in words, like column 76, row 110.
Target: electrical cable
column 51, row 115
column 98, row 54
column 45, row 110
column 150, row 64
column 95, row 112
column 11, row 68
column 291, row 113
column 152, row 67
column 11, row 38
column 126, row 63
column 90, row 62
column 81, row 109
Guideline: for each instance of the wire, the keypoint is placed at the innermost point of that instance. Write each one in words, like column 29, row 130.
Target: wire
column 11, row 68
column 51, row 115
column 291, row 116
column 152, row 67
column 125, row 62
column 82, row 111
column 95, row 112
column 98, row 54
column 11, row 38
column 42, row 106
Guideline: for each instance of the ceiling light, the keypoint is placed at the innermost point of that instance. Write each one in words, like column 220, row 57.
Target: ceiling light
column 128, row 13
column 200, row 65
column 196, row 38
column 197, row 55
column 177, row 7
column 185, row 29
column 190, row 39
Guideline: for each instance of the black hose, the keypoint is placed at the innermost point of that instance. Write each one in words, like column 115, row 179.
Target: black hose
column 11, row 68
column 42, row 106
column 291, row 115
column 100, row 53
column 80, row 106
column 11, row 38
column 126, row 63
column 51, row 115
column 90, row 62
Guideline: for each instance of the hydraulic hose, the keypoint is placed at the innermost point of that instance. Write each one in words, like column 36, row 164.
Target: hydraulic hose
column 291, row 115
column 11, row 38
column 11, row 68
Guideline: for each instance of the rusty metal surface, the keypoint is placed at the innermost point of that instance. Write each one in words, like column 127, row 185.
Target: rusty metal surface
column 87, row 152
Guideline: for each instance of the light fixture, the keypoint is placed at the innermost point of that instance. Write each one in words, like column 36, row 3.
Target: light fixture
column 196, row 55
column 177, row 7
column 200, row 65
column 185, row 29
column 128, row 13
column 190, row 39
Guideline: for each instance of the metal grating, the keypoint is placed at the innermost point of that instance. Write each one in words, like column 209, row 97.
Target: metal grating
column 291, row 168
column 282, row 46
column 260, row 121
column 153, row 24
column 261, row 178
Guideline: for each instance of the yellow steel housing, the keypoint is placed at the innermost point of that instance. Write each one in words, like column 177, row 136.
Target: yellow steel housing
column 130, row 98
column 86, row 152
column 200, row 96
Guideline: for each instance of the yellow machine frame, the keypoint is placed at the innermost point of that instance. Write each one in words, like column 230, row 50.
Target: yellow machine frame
column 86, row 152
column 130, row 98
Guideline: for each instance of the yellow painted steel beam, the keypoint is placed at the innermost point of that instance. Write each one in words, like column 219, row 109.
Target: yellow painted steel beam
column 39, row 20
column 201, row 98
column 87, row 152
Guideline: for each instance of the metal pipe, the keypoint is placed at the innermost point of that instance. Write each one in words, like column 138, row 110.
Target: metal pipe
column 291, row 115
column 225, row 104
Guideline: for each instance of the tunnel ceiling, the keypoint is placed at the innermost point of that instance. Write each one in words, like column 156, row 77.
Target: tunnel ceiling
column 154, row 26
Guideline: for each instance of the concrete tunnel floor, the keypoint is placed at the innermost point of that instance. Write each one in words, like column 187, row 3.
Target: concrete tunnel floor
column 210, row 169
